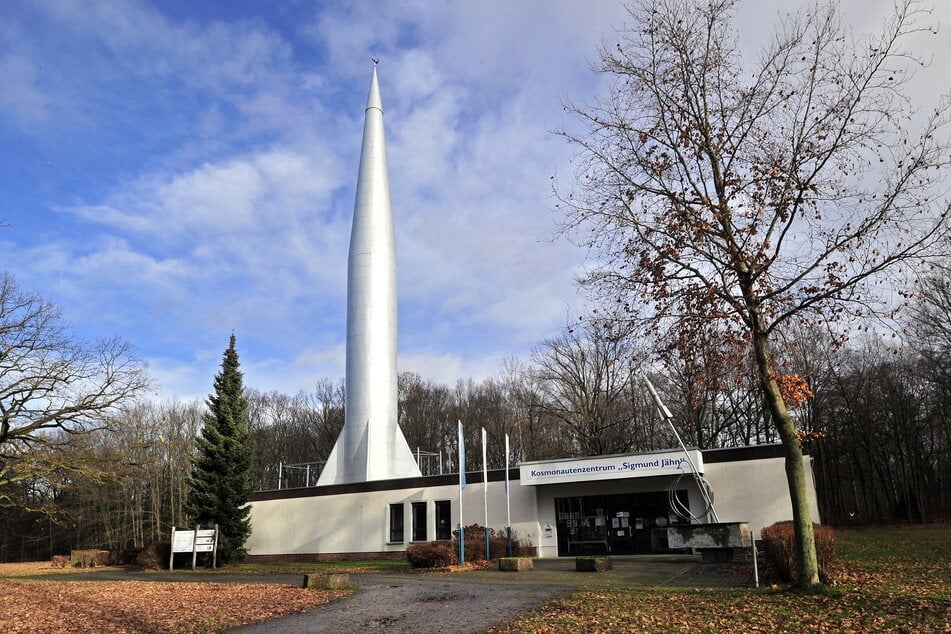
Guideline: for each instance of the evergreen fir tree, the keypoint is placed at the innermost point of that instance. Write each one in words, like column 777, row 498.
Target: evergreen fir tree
column 220, row 481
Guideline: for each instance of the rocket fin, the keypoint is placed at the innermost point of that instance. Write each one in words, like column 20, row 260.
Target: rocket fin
column 329, row 473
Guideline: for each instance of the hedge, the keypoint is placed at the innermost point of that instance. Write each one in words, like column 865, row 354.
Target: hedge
column 780, row 545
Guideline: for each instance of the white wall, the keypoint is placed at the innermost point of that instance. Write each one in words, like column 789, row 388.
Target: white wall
column 751, row 491
column 755, row 491
column 359, row 522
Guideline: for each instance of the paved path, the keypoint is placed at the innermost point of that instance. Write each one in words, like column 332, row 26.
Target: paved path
column 405, row 603
column 472, row 601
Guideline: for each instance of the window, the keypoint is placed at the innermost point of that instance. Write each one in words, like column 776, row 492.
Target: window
column 396, row 523
column 419, row 521
column 443, row 520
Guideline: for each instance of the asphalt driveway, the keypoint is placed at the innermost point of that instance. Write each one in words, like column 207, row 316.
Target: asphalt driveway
column 473, row 601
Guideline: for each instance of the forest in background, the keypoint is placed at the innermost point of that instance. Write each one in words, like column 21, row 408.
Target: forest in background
column 877, row 424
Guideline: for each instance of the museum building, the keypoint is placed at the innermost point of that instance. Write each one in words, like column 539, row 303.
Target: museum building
column 618, row 505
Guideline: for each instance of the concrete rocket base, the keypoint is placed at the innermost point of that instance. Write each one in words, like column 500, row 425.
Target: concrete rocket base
column 386, row 459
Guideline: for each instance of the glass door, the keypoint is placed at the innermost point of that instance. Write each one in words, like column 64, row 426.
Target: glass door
column 582, row 526
column 621, row 524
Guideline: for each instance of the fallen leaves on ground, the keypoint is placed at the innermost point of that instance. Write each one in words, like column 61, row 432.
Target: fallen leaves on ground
column 140, row 606
column 466, row 567
column 41, row 568
column 471, row 565
column 721, row 611
column 885, row 587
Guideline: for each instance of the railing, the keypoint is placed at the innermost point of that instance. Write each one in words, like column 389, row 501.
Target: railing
column 429, row 463
column 301, row 474
column 306, row 474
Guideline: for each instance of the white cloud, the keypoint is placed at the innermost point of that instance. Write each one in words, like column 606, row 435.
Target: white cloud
column 142, row 41
column 449, row 367
column 216, row 234
column 21, row 97
column 249, row 193
column 355, row 32
column 183, row 379
column 414, row 75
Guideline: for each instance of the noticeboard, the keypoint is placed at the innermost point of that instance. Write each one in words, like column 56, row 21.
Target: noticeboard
column 194, row 541
column 187, row 541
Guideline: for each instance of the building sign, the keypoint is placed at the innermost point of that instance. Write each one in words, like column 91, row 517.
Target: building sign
column 640, row 465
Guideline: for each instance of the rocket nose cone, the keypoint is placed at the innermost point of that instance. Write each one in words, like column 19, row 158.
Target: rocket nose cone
column 373, row 99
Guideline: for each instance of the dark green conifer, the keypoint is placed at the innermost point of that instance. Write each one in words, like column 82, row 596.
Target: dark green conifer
column 220, row 481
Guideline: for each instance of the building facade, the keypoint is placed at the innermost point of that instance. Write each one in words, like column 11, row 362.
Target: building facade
column 607, row 504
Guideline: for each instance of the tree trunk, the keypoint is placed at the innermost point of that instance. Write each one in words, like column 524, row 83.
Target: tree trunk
column 808, row 570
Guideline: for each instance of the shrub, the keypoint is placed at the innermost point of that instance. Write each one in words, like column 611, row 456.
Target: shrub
column 522, row 546
column 431, row 555
column 475, row 542
column 124, row 557
column 89, row 558
column 780, row 544
column 498, row 544
column 154, row 556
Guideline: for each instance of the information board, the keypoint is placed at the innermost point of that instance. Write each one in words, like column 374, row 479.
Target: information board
column 194, row 542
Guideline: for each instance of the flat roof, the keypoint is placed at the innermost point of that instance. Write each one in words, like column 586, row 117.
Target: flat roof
column 730, row 454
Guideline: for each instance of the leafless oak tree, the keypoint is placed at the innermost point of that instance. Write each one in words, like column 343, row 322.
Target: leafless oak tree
column 53, row 386
column 756, row 193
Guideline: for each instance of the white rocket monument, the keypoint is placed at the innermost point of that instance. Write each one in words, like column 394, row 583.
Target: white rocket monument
column 371, row 445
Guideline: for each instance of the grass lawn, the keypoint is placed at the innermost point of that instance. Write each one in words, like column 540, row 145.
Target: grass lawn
column 892, row 580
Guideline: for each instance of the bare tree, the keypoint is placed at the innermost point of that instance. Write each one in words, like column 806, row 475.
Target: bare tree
column 536, row 435
column 756, row 193
column 932, row 315
column 885, row 455
column 54, row 386
column 707, row 387
column 585, row 377
column 293, row 430
column 129, row 491
column 425, row 419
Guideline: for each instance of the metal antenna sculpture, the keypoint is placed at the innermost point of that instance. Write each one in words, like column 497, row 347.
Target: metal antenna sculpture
column 705, row 490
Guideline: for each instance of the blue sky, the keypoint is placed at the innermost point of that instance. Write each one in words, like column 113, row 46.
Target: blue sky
column 173, row 171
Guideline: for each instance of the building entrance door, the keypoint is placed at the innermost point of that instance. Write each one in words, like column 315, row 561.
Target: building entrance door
column 620, row 524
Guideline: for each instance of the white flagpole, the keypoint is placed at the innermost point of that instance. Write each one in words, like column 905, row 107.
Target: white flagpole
column 462, row 485
column 508, row 500
column 485, row 496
